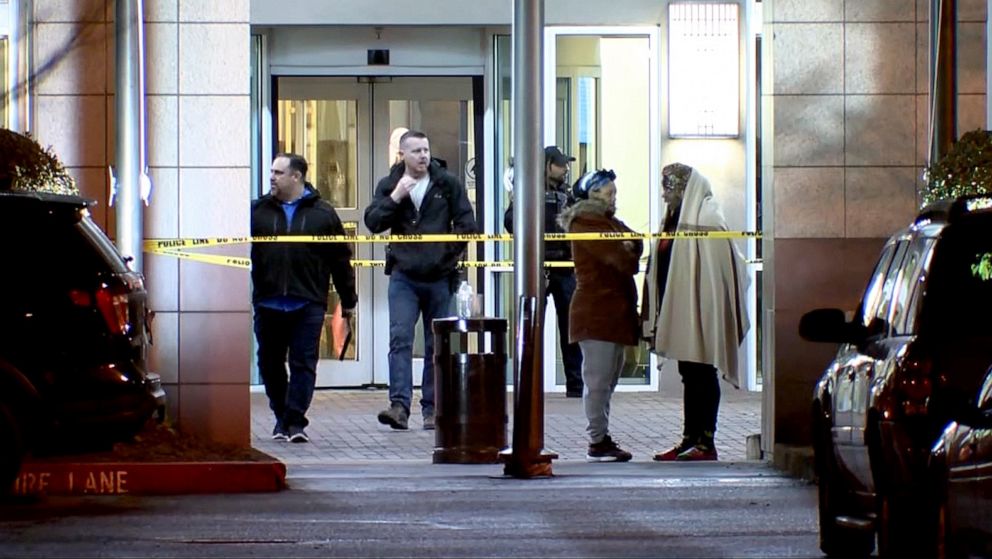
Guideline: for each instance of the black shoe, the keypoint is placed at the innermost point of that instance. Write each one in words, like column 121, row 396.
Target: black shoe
column 396, row 416
column 607, row 451
column 279, row 433
column 573, row 394
column 429, row 421
column 298, row 435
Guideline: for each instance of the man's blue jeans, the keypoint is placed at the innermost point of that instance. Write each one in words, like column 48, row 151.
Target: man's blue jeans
column 408, row 300
column 298, row 334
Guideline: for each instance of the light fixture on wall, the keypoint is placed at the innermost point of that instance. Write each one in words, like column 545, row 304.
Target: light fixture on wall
column 703, row 69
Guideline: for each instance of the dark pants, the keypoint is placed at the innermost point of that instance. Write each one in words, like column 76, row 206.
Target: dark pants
column 561, row 286
column 700, row 401
column 296, row 333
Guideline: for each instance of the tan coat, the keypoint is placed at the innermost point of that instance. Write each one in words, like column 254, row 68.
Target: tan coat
column 702, row 317
column 604, row 305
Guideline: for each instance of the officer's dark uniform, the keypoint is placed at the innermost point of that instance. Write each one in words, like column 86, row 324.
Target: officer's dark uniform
column 560, row 282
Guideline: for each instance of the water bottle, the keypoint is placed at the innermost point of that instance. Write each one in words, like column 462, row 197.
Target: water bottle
column 464, row 298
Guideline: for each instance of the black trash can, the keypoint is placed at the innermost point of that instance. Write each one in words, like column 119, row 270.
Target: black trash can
column 469, row 390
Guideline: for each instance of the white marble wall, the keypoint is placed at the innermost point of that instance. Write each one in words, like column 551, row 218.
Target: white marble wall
column 197, row 85
column 848, row 95
column 850, row 91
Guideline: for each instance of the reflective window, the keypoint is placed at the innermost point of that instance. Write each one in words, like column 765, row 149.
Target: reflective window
column 324, row 131
column 3, row 83
column 873, row 294
column 908, row 287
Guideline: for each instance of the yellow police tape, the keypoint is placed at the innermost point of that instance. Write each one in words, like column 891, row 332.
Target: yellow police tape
column 172, row 244
column 175, row 247
column 245, row 263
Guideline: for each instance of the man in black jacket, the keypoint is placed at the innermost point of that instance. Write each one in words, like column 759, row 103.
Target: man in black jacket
column 290, row 287
column 559, row 282
column 418, row 197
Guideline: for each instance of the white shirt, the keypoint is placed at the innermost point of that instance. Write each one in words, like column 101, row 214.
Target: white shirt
column 417, row 194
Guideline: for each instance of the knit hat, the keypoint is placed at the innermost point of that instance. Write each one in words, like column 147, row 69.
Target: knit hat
column 592, row 181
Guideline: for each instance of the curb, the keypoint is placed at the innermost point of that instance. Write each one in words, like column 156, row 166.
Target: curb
column 148, row 478
column 795, row 460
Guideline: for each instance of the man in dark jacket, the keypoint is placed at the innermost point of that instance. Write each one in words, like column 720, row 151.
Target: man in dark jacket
column 290, row 287
column 559, row 282
column 418, row 197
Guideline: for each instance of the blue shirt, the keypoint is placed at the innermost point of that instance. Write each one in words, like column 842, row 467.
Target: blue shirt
column 287, row 303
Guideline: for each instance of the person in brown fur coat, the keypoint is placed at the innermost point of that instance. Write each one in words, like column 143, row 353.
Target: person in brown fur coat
column 603, row 315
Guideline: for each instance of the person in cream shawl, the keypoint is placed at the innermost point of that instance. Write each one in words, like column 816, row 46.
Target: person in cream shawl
column 692, row 306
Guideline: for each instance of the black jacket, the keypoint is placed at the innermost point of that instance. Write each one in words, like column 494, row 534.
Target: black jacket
column 300, row 269
column 556, row 199
column 445, row 209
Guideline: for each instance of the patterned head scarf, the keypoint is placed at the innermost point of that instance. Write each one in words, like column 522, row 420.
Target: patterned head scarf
column 675, row 177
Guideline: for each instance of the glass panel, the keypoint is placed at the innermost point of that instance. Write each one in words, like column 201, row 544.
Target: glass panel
column 450, row 126
column 608, row 126
column 503, row 281
column 327, row 341
column 325, row 132
column 3, row 82
column 563, row 135
column 588, row 116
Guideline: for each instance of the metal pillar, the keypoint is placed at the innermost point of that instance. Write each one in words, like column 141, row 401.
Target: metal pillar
column 943, row 77
column 129, row 141
column 18, row 81
column 527, row 457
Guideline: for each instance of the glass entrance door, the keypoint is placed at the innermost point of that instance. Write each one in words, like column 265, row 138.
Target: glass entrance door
column 343, row 126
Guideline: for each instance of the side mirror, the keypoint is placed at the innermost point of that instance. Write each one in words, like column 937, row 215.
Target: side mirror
column 829, row 325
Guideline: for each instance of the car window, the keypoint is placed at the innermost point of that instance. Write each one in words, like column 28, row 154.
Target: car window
column 879, row 293
column 919, row 288
column 56, row 251
column 869, row 303
column 908, row 277
column 958, row 299
column 101, row 244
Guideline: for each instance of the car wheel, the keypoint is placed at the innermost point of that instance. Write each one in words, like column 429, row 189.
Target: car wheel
column 12, row 448
column 833, row 502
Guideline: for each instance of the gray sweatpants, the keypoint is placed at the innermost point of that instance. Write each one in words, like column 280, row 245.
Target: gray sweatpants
column 601, row 366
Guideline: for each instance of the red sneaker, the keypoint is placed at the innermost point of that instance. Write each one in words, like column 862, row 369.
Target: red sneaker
column 697, row 453
column 672, row 454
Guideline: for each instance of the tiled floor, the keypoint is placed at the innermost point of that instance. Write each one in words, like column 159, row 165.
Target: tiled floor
column 343, row 427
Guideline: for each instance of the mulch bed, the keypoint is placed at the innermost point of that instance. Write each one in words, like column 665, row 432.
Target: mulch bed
column 160, row 442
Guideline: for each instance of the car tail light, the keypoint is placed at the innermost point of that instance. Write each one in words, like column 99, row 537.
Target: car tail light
column 915, row 383
column 113, row 305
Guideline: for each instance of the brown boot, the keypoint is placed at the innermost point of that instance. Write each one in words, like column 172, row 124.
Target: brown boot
column 396, row 416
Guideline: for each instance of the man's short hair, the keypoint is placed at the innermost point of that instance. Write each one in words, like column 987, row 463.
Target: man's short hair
column 411, row 134
column 296, row 163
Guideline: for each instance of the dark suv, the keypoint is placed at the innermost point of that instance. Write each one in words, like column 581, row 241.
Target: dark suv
column 915, row 351
column 74, row 332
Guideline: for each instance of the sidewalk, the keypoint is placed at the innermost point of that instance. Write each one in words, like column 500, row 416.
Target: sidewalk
column 343, row 427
